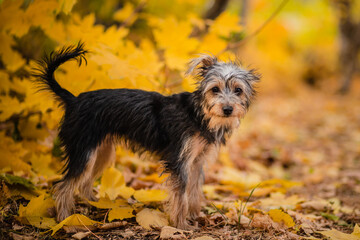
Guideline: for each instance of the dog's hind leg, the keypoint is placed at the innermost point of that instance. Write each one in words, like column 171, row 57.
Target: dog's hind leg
column 177, row 206
column 65, row 189
column 105, row 155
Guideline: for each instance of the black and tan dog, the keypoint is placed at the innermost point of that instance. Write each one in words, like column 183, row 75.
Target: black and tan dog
column 183, row 129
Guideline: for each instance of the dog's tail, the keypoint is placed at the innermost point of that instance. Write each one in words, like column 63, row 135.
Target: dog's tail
column 45, row 72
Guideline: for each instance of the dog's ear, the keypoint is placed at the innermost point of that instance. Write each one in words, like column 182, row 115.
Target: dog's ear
column 252, row 77
column 201, row 65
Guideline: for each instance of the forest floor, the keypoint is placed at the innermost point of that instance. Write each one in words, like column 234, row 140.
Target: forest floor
column 302, row 147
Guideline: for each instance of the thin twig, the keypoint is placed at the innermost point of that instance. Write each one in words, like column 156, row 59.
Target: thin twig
column 88, row 229
column 257, row 31
column 138, row 9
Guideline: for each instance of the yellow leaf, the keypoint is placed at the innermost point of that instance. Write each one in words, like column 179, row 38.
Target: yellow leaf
column 5, row 81
column 120, row 213
column 150, row 217
column 74, row 220
column 126, row 192
column 66, row 5
column 12, row 59
column 356, row 231
column 225, row 24
column 112, row 181
column 188, row 84
column 173, row 36
column 279, row 200
column 237, row 178
column 37, row 207
column 36, row 212
column 334, row 234
column 12, row 157
column 9, row 106
column 126, row 13
column 153, row 195
column 32, row 129
column 106, row 203
column 279, row 216
column 41, row 164
column 212, row 43
column 41, row 222
column 154, row 178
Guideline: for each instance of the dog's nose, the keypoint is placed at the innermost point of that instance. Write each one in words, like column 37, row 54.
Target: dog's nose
column 227, row 110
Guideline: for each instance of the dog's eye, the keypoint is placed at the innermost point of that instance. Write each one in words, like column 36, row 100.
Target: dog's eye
column 238, row 91
column 215, row 89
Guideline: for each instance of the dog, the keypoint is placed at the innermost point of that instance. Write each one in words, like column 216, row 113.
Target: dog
column 183, row 130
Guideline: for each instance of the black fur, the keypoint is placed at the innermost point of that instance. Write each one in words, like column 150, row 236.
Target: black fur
column 147, row 122
column 45, row 73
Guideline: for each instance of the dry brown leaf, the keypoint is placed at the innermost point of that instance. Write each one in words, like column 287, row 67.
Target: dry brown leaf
column 265, row 222
column 168, row 232
column 148, row 218
column 204, row 238
column 81, row 235
column 20, row 237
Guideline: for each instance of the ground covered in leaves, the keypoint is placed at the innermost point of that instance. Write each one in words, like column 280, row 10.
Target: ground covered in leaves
column 292, row 171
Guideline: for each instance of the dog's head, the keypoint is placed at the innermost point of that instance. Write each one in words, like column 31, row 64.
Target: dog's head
column 226, row 90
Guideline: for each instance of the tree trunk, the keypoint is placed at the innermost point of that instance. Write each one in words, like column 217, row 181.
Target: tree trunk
column 349, row 32
column 216, row 9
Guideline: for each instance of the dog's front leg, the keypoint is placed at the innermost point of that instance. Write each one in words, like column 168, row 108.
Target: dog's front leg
column 194, row 188
column 177, row 206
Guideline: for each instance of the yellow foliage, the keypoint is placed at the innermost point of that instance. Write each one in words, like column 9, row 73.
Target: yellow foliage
column 153, row 195
column 73, row 220
column 121, row 213
column 11, row 155
column 67, row 5
column 126, row 14
column 334, row 234
column 11, row 59
column 155, row 178
column 9, row 106
column 279, row 216
column 148, row 218
column 36, row 212
column 225, row 24
column 37, row 207
column 111, row 183
column 106, row 203
column 173, row 36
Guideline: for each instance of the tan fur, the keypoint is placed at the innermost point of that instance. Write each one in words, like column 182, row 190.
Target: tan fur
column 177, row 206
column 181, row 205
column 99, row 159
column 105, row 155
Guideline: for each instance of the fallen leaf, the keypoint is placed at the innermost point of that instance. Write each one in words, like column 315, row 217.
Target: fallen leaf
column 106, row 203
column 168, row 232
column 265, row 222
column 153, row 195
column 281, row 217
column 204, row 238
column 126, row 192
column 81, row 235
column 120, row 213
column 148, row 218
column 74, row 220
column 334, row 234
column 111, row 182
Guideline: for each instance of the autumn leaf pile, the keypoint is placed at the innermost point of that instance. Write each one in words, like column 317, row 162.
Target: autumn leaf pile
column 291, row 171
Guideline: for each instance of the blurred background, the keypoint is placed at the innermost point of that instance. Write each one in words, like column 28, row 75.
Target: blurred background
column 304, row 127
